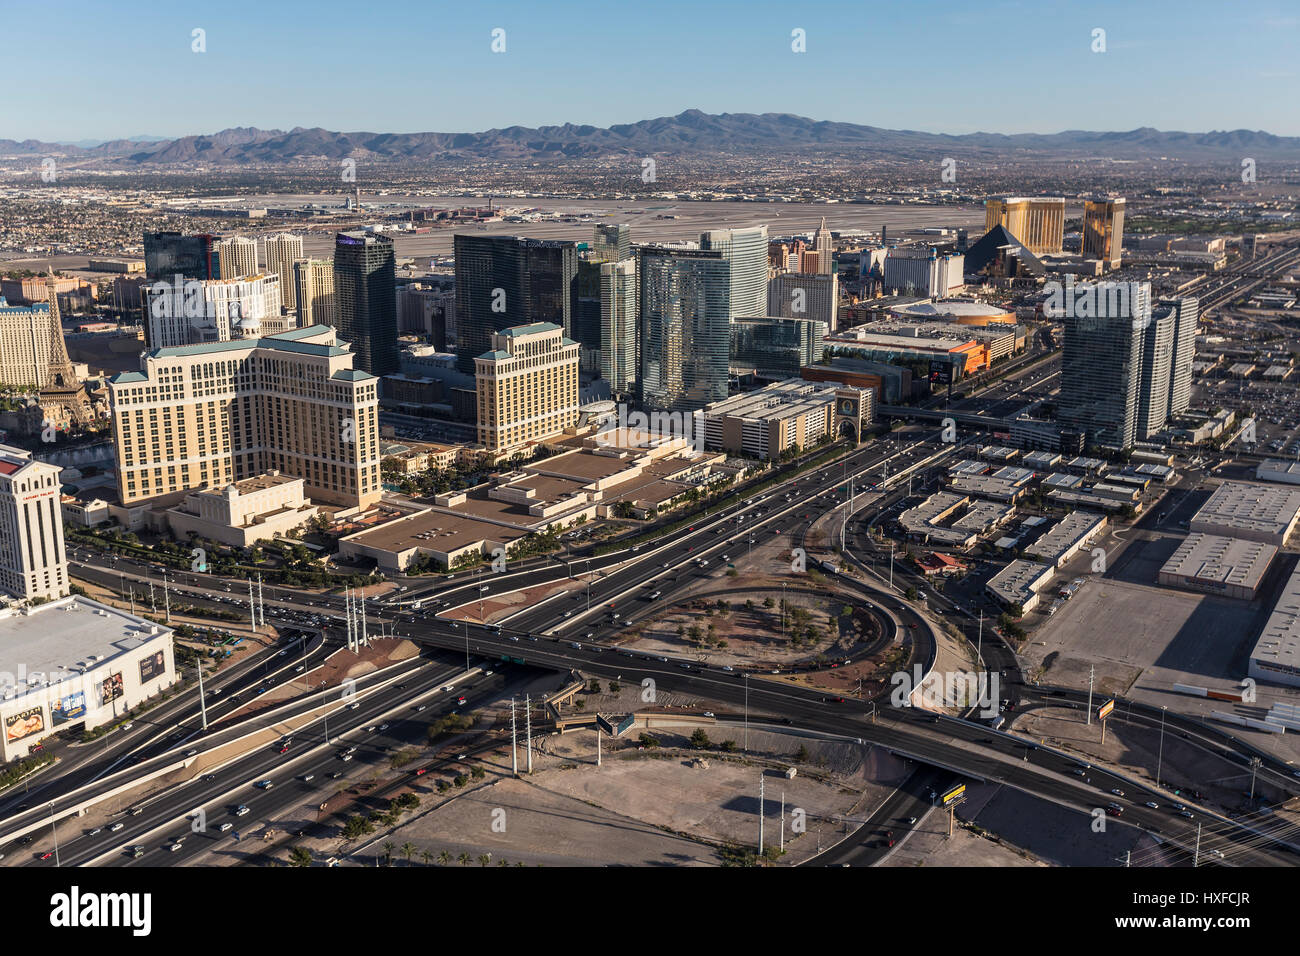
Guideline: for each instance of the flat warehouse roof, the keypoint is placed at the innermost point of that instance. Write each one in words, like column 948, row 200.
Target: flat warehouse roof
column 1213, row 557
column 1251, row 507
column 63, row 634
column 434, row 531
column 1279, row 642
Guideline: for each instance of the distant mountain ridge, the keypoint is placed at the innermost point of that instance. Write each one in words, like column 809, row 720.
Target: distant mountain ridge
column 689, row 132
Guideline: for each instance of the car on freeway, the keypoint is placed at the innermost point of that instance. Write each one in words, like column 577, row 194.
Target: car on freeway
column 264, row 784
column 1117, row 792
column 421, row 707
column 46, row 855
column 1152, row 804
column 911, row 821
column 371, row 729
column 422, row 771
column 345, row 757
column 241, row 810
column 461, row 701
column 115, row 827
column 383, row 726
column 353, row 706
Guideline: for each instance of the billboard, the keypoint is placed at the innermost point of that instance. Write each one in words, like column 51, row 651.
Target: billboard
column 940, row 372
column 153, row 666
column 110, row 689
column 1104, row 710
column 955, row 794
column 70, row 707
column 24, row 724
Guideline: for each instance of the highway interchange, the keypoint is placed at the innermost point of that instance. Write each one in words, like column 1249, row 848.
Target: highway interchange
column 578, row 630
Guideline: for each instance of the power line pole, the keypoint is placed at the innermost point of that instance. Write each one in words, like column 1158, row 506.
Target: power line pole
column 1088, row 714
column 761, row 781
column 782, row 821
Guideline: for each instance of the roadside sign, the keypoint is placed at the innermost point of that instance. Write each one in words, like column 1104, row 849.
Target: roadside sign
column 955, row 794
column 1104, row 710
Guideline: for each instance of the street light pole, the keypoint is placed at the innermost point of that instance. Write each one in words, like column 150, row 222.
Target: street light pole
column 746, row 747
column 54, row 828
column 1160, row 759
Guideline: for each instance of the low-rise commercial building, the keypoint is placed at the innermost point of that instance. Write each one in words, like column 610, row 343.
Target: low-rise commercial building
column 1020, row 583
column 1232, row 567
column 1285, row 472
column 1255, row 512
column 255, row 509
column 75, row 662
column 1067, row 537
column 1275, row 657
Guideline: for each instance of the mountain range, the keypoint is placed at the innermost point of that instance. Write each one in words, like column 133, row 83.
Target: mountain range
column 689, row 132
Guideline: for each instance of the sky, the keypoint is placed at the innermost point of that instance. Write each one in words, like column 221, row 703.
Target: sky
column 93, row 69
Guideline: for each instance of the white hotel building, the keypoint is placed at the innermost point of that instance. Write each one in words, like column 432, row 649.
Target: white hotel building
column 32, row 560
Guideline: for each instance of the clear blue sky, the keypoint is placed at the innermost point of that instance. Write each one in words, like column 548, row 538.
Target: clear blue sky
column 101, row 69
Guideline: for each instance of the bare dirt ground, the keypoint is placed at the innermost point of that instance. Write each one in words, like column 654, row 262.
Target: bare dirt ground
column 659, row 806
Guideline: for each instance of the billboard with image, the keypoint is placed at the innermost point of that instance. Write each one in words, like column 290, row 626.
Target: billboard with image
column 69, row 707
column 24, row 724
column 152, row 666
column 110, row 689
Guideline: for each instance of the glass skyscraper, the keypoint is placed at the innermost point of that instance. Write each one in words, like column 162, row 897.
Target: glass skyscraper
column 685, row 318
column 619, row 326
column 746, row 253
column 169, row 254
column 506, row 281
column 1101, row 365
column 777, row 347
column 365, row 299
column 612, row 242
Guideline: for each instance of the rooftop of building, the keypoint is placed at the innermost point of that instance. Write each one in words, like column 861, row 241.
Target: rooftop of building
column 1279, row 466
column 533, row 328
column 1213, row 557
column 1066, row 533
column 247, row 486
column 783, row 399
column 1248, row 506
column 67, row 635
column 1019, row 579
column 1279, row 642
column 436, row 531
column 955, row 307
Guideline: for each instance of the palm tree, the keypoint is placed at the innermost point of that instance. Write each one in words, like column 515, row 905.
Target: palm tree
column 444, row 858
column 407, row 849
column 463, row 859
column 484, row 859
column 388, row 851
column 503, row 862
column 425, row 857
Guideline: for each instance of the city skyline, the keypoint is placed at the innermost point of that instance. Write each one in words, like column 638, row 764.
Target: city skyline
column 685, row 56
